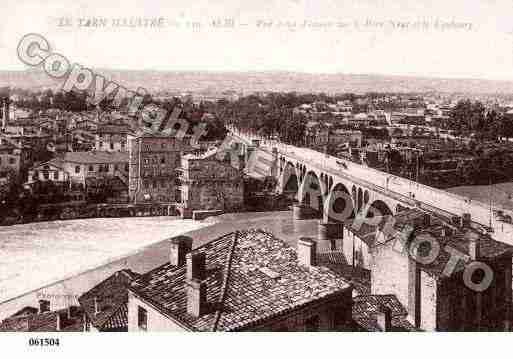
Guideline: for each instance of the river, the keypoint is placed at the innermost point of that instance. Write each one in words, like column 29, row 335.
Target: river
column 61, row 260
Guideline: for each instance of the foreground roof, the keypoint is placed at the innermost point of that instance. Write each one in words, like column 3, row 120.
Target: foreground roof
column 447, row 235
column 366, row 308
column 112, row 299
column 44, row 322
column 251, row 277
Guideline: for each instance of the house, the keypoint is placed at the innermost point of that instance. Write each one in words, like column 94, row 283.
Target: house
column 105, row 305
column 104, row 175
column 83, row 165
column 207, row 183
column 242, row 281
column 440, row 292
column 11, row 157
column 50, row 171
column 153, row 163
column 111, row 137
column 31, row 319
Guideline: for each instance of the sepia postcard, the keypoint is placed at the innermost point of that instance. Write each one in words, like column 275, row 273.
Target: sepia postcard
column 234, row 166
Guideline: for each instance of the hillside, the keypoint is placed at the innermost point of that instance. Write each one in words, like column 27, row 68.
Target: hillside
column 215, row 82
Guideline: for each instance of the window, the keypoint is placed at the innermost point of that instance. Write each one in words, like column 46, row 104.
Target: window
column 312, row 324
column 126, row 167
column 142, row 318
column 12, row 161
column 116, row 167
column 111, row 145
column 56, row 175
column 91, row 168
column 163, row 160
column 77, row 169
column 45, row 175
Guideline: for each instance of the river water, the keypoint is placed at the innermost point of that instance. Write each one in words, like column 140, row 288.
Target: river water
column 61, row 260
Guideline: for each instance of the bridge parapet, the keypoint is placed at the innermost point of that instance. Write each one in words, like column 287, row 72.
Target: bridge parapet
column 410, row 192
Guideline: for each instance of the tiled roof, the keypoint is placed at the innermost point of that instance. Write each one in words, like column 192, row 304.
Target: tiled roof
column 118, row 320
column 359, row 278
column 25, row 311
column 43, row 322
column 113, row 128
column 457, row 238
column 112, row 298
column 366, row 308
column 55, row 162
column 96, row 157
column 240, row 291
column 366, row 230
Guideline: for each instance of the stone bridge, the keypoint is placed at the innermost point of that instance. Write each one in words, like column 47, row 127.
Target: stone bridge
column 318, row 181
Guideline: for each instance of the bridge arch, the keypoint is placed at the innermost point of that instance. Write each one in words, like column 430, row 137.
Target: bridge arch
column 311, row 192
column 378, row 208
column 339, row 204
column 359, row 201
column 289, row 180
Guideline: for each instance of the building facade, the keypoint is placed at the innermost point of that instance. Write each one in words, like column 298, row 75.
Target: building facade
column 153, row 161
column 206, row 183
column 292, row 294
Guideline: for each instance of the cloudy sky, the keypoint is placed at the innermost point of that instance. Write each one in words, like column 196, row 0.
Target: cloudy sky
column 442, row 38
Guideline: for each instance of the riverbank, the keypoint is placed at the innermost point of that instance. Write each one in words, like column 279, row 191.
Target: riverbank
column 501, row 194
column 104, row 246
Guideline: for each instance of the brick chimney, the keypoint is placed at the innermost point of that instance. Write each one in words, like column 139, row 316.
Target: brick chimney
column 240, row 162
column 196, row 297
column 465, row 220
column 306, row 252
column 180, row 246
column 96, row 305
column 58, row 323
column 384, row 318
column 195, row 265
column 44, row 306
column 474, row 243
column 427, row 220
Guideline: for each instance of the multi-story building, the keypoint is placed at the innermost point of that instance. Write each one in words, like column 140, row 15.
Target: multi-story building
column 83, row 165
column 206, row 183
column 111, row 137
column 430, row 266
column 14, row 159
column 242, row 281
column 153, row 161
column 50, row 171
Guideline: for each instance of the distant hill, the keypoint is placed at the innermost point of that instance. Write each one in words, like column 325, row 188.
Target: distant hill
column 215, row 82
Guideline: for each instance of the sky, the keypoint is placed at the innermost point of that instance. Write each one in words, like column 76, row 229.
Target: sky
column 323, row 36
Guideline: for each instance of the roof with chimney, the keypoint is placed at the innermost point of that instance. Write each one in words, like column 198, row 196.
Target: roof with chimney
column 111, row 298
column 44, row 322
column 251, row 277
column 367, row 307
column 446, row 235
column 358, row 277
